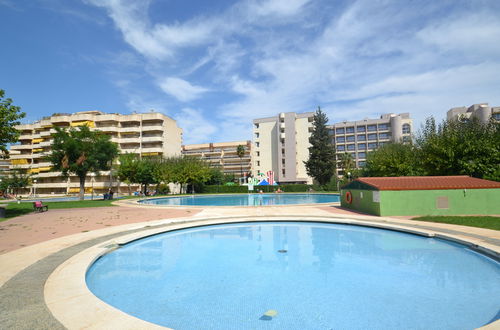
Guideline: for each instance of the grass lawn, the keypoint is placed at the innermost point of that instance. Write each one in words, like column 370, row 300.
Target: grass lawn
column 472, row 221
column 14, row 210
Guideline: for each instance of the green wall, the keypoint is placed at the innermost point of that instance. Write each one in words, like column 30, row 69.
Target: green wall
column 424, row 202
column 360, row 203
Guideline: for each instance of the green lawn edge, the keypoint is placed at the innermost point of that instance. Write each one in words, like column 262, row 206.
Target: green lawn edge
column 487, row 222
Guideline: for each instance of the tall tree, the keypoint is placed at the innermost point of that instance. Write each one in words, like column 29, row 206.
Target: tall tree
column 321, row 163
column 80, row 151
column 127, row 169
column 18, row 179
column 240, row 151
column 9, row 117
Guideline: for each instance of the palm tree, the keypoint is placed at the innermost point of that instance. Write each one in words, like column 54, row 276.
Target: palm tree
column 348, row 164
column 240, row 151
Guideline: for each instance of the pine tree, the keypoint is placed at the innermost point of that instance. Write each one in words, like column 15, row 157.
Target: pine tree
column 321, row 163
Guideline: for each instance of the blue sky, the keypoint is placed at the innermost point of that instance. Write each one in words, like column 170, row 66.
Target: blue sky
column 216, row 65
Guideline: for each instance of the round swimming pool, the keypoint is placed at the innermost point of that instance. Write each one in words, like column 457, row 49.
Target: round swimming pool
column 298, row 275
column 244, row 199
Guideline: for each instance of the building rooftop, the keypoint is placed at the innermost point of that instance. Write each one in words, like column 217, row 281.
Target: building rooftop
column 425, row 183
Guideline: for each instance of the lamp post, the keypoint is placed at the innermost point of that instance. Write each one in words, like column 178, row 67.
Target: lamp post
column 92, row 181
column 349, row 176
column 34, row 187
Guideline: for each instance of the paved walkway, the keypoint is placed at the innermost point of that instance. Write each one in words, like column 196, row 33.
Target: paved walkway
column 34, row 248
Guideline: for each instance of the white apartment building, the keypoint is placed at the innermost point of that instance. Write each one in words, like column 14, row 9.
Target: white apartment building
column 145, row 134
column 281, row 145
column 481, row 111
column 223, row 155
column 359, row 137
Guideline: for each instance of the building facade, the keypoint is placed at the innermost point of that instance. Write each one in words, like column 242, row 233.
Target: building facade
column 223, row 155
column 481, row 111
column 281, row 145
column 360, row 137
column 145, row 134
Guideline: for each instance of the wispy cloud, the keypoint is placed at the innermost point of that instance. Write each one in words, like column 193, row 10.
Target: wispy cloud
column 356, row 59
column 181, row 89
column 195, row 122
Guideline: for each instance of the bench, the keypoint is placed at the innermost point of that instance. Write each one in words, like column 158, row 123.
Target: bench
column 38, row 206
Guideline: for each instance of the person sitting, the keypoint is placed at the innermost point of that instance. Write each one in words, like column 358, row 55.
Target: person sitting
column 279, row 191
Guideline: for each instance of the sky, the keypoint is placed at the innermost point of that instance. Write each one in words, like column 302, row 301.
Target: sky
column 216, row 65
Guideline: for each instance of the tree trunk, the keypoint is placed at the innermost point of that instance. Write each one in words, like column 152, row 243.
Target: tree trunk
column 81, row 195
column 129, row 190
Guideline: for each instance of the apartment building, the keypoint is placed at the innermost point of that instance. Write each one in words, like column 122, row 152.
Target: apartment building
column 145, row 134
column 359, row 137
column 482, row 111
column 281, row 145
column 224, row 156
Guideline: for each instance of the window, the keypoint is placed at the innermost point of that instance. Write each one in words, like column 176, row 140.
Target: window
column 349, row 130
column 372, row 137
column 362, row 146
column 340, row 148
column 283, row 161
column 283, row 172
column 383, row 135
column 258, row 153
column 282, row 151
column 340, row 131
column 351, row 147
column 361, row 128
column 256, row 135
column 496, row 116
column 372, row 145
column 362, row 137
column 330, row 132
column 351, row 138
column 372, row 128
column 353, row 155
column 382, row 143
column 406, row 139
column 406, row 129
column 361, row 163
column 362, row 155
column 258, row 163
column 340, row 139
column 383, row 127
column 256, row 125
column 257, row 144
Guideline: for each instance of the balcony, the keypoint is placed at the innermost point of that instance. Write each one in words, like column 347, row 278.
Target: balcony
column 21, row 156
column 152, row 139
column 25, row 136
column 149, row 128
column 130, row 129
column 149, row 150
column 21, row 147
column 108, row 129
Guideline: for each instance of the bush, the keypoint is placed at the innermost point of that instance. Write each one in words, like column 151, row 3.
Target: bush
column 162, row 189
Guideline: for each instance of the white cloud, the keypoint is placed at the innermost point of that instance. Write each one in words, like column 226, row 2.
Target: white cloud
column 181, row 89
column 357, row 59
column 197, row 128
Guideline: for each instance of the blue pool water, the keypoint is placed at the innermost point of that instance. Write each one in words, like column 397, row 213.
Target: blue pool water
column 245, row 199
column 298, row 275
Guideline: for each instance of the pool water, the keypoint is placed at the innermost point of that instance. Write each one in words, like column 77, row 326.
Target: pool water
column 244, row 199
column 298, row 275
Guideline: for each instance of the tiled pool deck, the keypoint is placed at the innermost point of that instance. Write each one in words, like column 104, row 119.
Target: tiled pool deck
column 43, row 285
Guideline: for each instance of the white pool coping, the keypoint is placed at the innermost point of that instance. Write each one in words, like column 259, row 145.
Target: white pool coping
column 76, row 307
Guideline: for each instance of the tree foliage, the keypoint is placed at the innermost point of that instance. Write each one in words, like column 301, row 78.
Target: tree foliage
column 18, row 179
column 461, row 147
column 80, row 151
column 449, row 148
column 321, row 162
column 240, row 151
column 9, row 117
column 393, row 159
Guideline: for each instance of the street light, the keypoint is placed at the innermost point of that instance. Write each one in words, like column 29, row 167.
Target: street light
column 34, row 187
column 92, row 181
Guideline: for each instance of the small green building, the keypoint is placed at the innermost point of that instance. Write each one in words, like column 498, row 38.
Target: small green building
column 422, row 195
